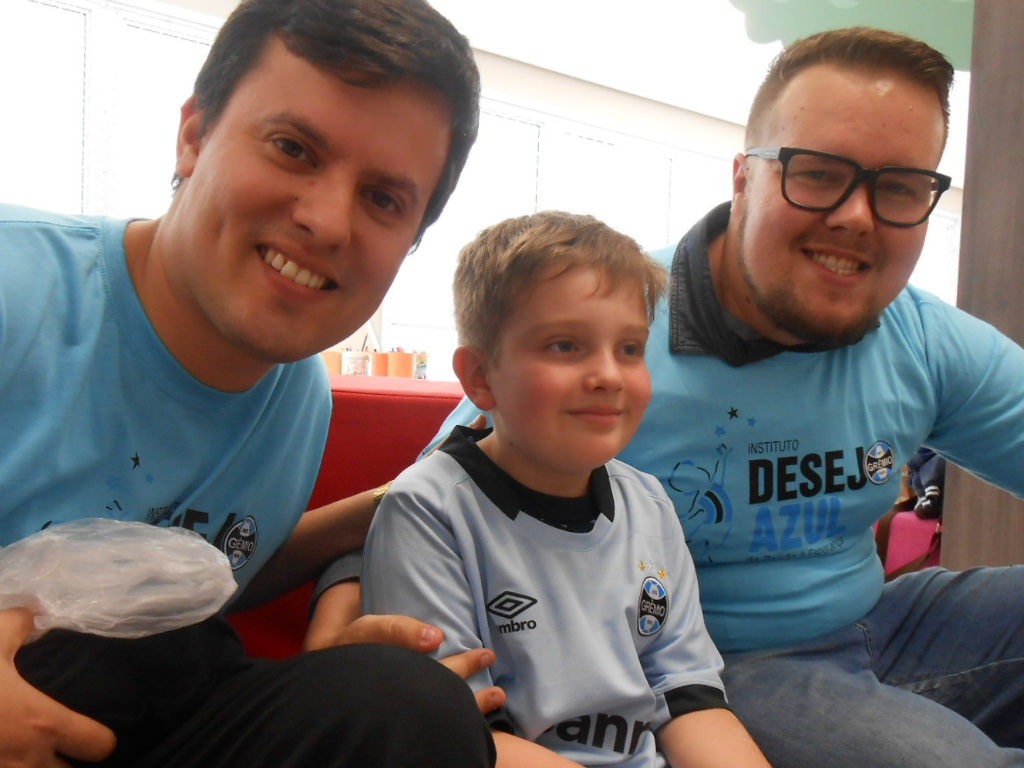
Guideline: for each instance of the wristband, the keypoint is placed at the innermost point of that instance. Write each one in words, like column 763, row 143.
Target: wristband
column 378, row 493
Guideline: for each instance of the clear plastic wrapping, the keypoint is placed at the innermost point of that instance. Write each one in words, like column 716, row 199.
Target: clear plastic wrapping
column 117, row 579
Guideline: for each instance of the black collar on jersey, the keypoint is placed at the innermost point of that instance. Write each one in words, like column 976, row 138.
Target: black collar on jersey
column 512, row 497
column 698, row 323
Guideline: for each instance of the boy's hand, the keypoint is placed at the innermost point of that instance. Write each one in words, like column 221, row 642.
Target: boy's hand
column 467, row 664
column 35, row 729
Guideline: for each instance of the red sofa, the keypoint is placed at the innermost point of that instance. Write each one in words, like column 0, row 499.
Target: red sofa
column 378, row 427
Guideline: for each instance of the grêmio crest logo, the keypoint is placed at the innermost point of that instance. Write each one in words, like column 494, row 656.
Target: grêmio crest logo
column 239, row 543
column 879, row 462
column 508, row 605
column 652, row 608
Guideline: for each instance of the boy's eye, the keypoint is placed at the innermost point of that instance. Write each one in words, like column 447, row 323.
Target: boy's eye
column 633, row 349
column 563, row 345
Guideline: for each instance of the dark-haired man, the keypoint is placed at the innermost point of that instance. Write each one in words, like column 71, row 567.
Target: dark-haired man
column 162, row 369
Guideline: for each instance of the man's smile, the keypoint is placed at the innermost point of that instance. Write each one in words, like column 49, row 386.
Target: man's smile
column 288, row 268
column 837, row 264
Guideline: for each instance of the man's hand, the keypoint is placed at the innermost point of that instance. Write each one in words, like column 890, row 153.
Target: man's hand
column 406, row 632
column 35, row 729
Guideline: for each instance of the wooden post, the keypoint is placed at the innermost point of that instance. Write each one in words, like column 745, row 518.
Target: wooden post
column 983, row 525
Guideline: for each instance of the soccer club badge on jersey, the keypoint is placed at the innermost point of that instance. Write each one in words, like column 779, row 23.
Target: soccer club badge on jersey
column 240, row 542
column 652, row 608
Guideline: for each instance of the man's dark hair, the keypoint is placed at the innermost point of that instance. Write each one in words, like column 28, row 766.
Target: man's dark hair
column 367, row 43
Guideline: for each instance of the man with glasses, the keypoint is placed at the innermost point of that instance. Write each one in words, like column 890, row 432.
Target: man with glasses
column 802, row 373
column 795, row 372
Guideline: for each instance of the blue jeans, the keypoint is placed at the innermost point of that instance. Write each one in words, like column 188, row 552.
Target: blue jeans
column 932, row 677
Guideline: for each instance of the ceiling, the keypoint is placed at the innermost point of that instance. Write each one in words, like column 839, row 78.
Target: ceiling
column 944, row 24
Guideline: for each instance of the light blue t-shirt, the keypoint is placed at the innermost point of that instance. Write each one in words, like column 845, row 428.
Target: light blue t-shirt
column 98, row 419
column 779, row 468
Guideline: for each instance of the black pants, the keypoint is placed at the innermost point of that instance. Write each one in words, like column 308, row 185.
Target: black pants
column 193, row 698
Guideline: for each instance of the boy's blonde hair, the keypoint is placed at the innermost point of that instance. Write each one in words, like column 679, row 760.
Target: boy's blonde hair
column 507, row 260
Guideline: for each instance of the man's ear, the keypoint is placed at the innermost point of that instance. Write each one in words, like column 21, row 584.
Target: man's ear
column 739, row 175
column 471, row 366
column 189, row 138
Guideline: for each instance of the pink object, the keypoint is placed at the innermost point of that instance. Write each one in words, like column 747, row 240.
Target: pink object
column 910, row 537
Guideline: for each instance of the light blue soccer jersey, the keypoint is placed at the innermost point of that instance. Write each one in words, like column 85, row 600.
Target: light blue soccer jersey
column 598, row 635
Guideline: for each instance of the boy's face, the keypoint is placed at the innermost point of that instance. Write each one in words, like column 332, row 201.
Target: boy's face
column 299, row 205
column 569, row 382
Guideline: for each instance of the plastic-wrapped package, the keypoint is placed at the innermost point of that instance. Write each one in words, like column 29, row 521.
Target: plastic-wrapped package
column 117, row 579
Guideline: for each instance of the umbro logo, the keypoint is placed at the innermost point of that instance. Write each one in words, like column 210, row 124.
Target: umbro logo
column 508, row 605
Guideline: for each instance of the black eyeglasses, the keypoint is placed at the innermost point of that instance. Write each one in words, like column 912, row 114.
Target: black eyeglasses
column 819, row 181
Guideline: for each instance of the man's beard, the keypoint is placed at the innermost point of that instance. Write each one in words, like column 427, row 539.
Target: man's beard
column 782, row 307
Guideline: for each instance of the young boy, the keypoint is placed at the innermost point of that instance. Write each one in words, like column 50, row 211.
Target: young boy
column 531, row 539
